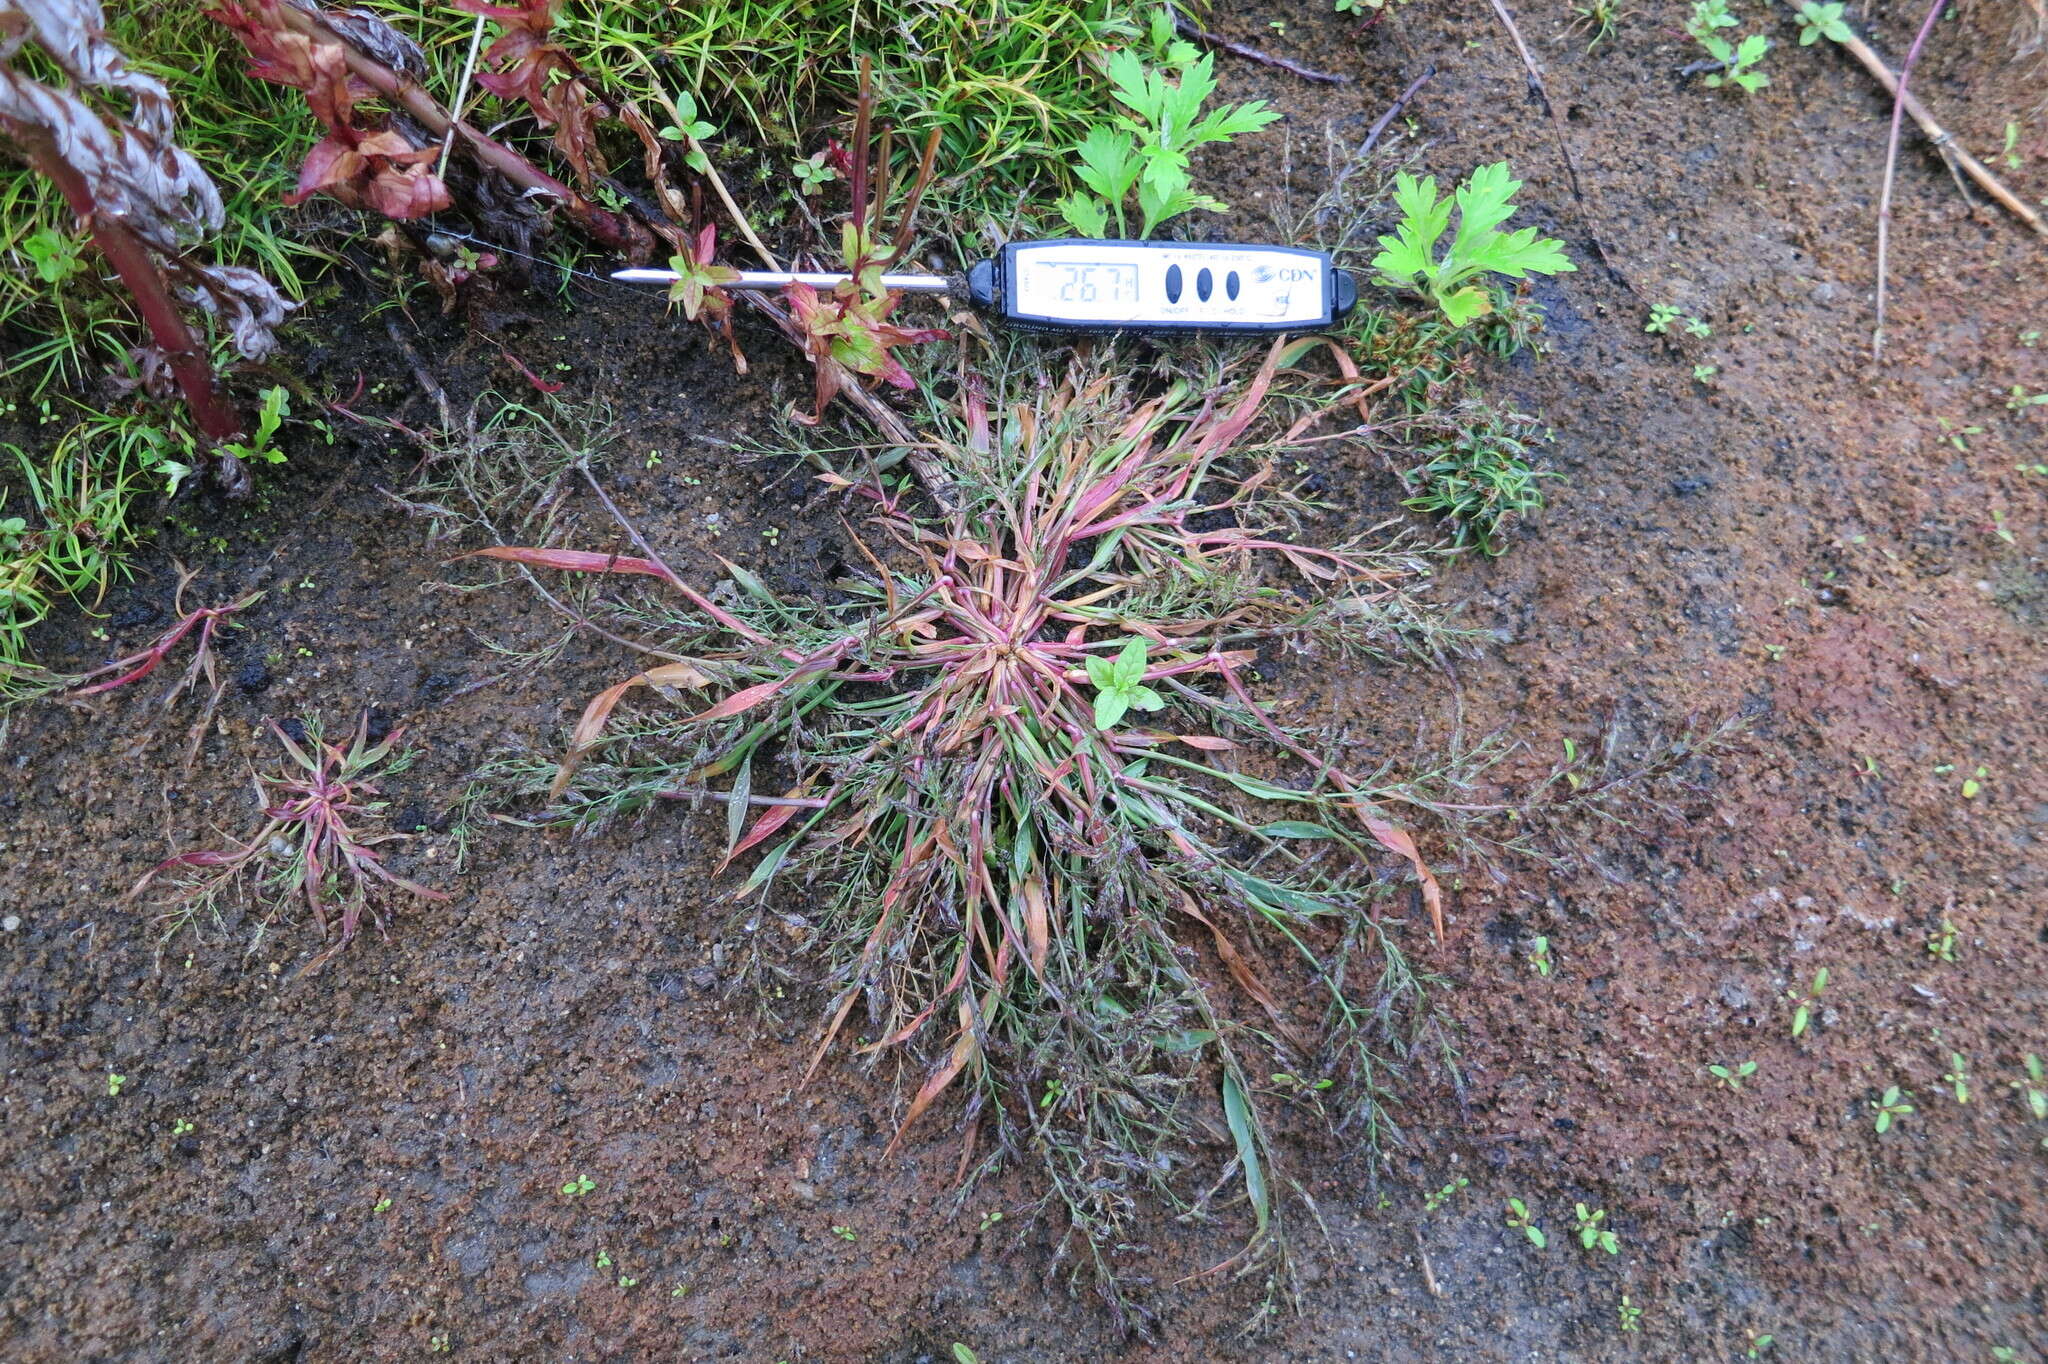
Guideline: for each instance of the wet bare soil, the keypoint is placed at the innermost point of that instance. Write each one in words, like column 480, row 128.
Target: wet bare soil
column 376, row 1157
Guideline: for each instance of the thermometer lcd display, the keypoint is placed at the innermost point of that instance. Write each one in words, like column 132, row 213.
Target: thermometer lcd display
column 1168, row 286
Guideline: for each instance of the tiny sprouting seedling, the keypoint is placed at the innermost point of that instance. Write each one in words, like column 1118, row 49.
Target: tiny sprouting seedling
column 1120, row 684
column 1957, row 1077
column 1539, row 956
column 316, row 844
column 2034, row 1089
column 1957, row 434
column 1802, row 1004
column 846, row 1234
column 1662, row 315
column 1733, row 1076
column 1407, row 260
column 1437, row 1198
column 700, row 286
column 1146, row 150
column 693, row 131
column 1596, row 19
column 1973, row 785
column 382, row 1205
column 1630, row 1314
column 1757, row 1343
column 180, row 1127
column 1695, row 327
column 1593, row 1235
column 604, row 1258
column 1738, row 59
column 989, row 1219
column 579, row 1186
column 813, row 173
column 1818, row 21
column 2019, row 400
column 1518, row 1217
column 627, row 1281
column 1891, row 1107
column 1941, row 943
column 963, row 1355
column 1703, row 375
column 438, row 1343
column 259, row 444
column 114, row 1083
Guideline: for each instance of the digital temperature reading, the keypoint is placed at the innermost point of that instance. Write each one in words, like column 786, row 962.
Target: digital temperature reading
column 1086, row 282
column 1082, row 285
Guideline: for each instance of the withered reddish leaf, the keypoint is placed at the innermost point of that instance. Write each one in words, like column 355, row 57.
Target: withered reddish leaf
column 771, row 819
column 572, row 560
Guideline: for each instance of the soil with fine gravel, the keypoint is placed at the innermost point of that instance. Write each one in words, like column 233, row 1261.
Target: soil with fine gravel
column 370, row 1163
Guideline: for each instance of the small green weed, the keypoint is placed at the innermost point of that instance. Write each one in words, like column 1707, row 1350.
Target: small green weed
column 1758, row 1344
column 114, row 1083
column 1803, row 1004
column 1146, row 150
column 1437, row 1198
column 1957, row 1077
column 1518, row 1217
column 1539, row 957
column 1592, row 1234
column 1120, row 684
column 1596, row 19
column 1631, row 1315
column 1818, row 21
column 579, row 1186
column 1739, row 59
column 1894, row 1104
column 1942, row 942
column 846, row 1234
column 2034, row 1089
column 1479, row 472
column 1732, row 1076
column 1407, row 260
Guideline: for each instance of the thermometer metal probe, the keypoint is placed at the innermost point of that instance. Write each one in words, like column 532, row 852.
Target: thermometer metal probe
column 1088, row 285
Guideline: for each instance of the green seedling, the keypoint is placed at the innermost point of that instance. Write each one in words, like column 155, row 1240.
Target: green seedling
column 1733, row 1076
column 1695, row 327
column 1480, row 475
column 846, row 1234
column 1631, row 1315
column 1407, row 260
column 1890, row 1108
column 1738, row 59
column 1662, row 315
column 1145, row 151
column 1539, row 957
column 2019, row 400
column 438, row 1343
column 1973, row 784
column 1941, row 943
column 1703, row 375
column 180, row 1127
column 1518, row 1218
column 2034, row 1089
column 270, row 415
column 1596, row 19
column 812, row 173
column 1818, row 21
column 1120, row 684
column 963, row 1355
column 989, row 1219
column 1956, row 434
column 1593, row 1235
column 579, row 1186
column 1436, row 1199
column 114, row 1083
column 692, row 131
column 1957, row 1077
column 381, row 1205
column 1757, row 1344
column 604, row 1259
column 1803, row 1004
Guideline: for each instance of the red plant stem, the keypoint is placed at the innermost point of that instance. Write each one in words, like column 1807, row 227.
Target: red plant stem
column 189, row 364
column 614, row 230
column 1891, row 166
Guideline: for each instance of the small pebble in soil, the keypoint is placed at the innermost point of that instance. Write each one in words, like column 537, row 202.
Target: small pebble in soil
column 252, row 676
column 10, row 923
column 1832, row 596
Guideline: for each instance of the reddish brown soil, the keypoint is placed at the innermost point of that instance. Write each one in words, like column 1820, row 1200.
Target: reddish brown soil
column 1796, row 543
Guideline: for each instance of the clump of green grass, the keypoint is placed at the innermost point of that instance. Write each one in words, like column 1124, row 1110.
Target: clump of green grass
column 1009, row 85
column 1104, row 927
column 1478, row 471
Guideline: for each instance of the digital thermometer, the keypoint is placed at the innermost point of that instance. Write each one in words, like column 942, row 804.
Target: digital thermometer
column 1083, row 285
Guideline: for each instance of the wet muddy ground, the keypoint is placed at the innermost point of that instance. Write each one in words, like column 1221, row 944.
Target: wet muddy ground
column 376, row 1157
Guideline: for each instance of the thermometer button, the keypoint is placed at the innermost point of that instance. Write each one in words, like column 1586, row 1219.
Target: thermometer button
column 1230, row 285
column 1173, row 284
column 1205, row 284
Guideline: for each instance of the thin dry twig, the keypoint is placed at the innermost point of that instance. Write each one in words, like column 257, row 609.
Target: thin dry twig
column 1252, row 54
column 1590, row 214
column 1891, row 168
